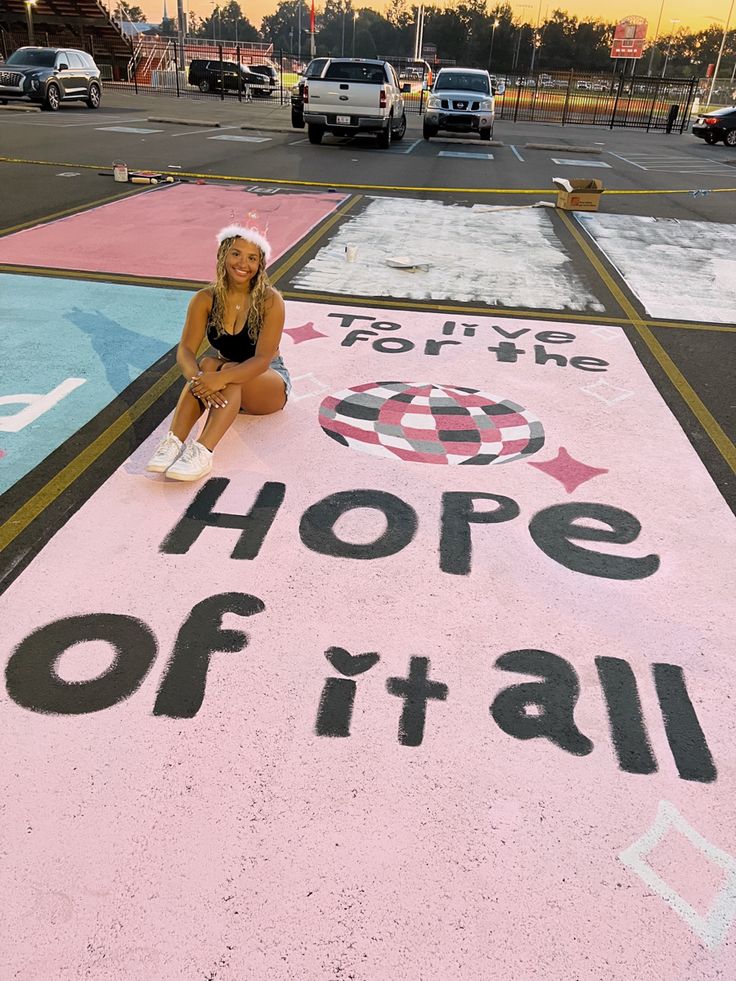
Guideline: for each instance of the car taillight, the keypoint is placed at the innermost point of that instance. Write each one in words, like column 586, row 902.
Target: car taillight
column 711, row 120
column 382, row 99
column 305, row 95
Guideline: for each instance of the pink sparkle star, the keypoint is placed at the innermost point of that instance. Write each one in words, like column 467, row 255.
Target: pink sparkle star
column 569, row 471
column 306, row 332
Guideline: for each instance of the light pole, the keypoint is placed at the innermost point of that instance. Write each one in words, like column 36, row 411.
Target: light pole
column 355, row 14
column 720, row 53
column 342, row 44
column 494, row 25
column 656, row 35
column 669, row 47
column 521, row 6
column 30, row 4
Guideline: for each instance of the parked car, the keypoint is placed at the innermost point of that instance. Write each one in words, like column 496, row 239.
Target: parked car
column 208, row 75
column 717, row 125
column 50, row 76
column 461, row 100
column 270, row 73
column 355, row 95
column 313, row 70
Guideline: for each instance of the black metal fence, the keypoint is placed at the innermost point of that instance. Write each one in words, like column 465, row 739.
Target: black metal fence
column 637, row 102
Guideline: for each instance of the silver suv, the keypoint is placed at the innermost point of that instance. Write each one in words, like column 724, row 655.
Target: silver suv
column 461, row 101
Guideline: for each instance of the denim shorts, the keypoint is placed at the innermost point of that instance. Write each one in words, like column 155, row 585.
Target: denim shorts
column 280, row 368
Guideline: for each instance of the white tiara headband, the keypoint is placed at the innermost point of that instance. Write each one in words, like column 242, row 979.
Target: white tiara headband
column 249, row 234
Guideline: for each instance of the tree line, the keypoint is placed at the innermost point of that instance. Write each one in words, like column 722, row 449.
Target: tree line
column 469, row 32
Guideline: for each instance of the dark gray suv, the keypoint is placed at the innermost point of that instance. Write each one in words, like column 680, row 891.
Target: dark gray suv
column 50, row 76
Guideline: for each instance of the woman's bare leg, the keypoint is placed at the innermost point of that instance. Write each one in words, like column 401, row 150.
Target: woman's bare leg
column 260, row 397
column 188, row 410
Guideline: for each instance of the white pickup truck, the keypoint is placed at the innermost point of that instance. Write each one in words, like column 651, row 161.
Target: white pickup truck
column 352, row 96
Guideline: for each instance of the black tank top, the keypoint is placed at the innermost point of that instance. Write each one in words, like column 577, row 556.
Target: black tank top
column 233, row 347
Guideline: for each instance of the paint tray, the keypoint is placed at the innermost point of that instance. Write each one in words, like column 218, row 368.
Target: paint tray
column 578, row 194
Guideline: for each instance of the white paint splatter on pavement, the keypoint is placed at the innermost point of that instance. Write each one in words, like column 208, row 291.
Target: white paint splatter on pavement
column 502, row 257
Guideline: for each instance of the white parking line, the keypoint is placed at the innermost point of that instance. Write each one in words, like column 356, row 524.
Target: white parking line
column 242, row 139
column 465, row 156
column 298, row 142
column 517, row 154
column 194, row 132
column 675, row 163
column 626, row 160
column 579, row 163
column 126, row 129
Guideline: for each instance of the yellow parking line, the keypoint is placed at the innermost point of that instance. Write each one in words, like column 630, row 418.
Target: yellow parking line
column 364, row 187
column 720, row 440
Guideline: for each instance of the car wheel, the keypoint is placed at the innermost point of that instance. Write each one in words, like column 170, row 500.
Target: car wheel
column 53, row 97
column 297, row 120
column 710, row 138
column 204, row 85
column 315, row 133
column 384, row 137
column 485, row 134
column 429, row 131
column 401, row 131
column 94, row 96
column 730, row 138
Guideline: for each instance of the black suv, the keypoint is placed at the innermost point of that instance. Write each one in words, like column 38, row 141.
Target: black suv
column 313, row 70
column 270, row 73
column 50, row 76
column 209, row 76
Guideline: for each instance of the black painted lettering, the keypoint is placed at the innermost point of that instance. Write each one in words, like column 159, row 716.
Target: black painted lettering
column 316, row 527
column 357, row 335
column 507, row 352
column 589, row 364
column 448, row 327
column 458, row 513
column 416, row 691
column 690, row 750
column 338, row 694
column 392, row 345
column 199, row 515
column 346, row 319
column 555, row 528
column 181, row 692
column 555, row 698
column 511, row 334
column 433, row 347
column 542, row 357
column 628, row 731
column 31, row 671
column 385, row 325
column 554, row 337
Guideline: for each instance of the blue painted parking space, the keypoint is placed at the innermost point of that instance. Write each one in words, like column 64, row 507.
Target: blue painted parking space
column 70, row 347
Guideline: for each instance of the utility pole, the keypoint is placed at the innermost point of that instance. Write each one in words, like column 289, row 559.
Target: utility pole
column 656, row 35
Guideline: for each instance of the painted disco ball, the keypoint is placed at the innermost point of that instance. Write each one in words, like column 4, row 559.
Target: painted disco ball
column 426, row 423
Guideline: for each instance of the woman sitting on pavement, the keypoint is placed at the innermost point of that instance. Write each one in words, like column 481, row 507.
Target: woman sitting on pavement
column 242, row 316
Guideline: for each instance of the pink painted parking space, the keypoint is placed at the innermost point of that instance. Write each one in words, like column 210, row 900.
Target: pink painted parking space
column 167, row 232
column 429, row 680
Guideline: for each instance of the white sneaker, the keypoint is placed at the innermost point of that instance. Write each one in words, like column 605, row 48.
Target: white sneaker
column 195, row 462
column 168, row 450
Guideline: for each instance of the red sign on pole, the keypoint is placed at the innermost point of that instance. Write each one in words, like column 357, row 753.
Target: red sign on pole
column 629, row 38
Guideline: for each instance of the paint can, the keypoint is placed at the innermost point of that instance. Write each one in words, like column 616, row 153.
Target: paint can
column 351, row 253
column 120, row 171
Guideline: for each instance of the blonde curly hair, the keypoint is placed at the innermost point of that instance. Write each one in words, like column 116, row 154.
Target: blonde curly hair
column 260, row 288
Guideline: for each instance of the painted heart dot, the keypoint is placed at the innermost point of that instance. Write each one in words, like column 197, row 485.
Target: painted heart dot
column 426, row 423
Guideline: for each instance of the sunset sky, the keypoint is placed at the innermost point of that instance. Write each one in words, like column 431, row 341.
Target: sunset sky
column 613, row 10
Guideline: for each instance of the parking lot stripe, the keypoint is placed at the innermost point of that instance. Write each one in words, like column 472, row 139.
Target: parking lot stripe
column 516, row 153
column 720, row 440
column 283, row 182
column 464, row 155
column 68, row 211
column 126, row 129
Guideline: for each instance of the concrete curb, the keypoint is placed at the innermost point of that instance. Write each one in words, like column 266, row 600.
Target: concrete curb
column 183, row 122
column 19, row 108
column 562, row 146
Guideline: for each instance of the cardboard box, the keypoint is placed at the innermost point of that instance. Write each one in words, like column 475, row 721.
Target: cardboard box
column 578, row 194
